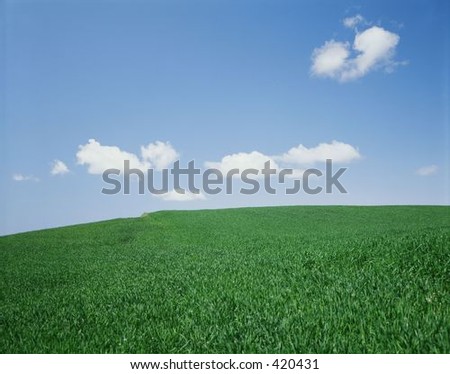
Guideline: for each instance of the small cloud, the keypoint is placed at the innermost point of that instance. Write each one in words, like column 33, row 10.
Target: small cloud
column 178, row 195
column 373, row 48
column 337, row 151
column 329, row 60
column 426, row 171
column 242, row 161
column 22, row 178
column 352, row 22
column 99, row 158
column 300, row 155
column 159, row 154
column 59, row 168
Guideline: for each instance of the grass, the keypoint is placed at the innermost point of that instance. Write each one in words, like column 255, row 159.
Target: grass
column 252, row 280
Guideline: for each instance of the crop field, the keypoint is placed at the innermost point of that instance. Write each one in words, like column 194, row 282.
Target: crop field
column 251, row 280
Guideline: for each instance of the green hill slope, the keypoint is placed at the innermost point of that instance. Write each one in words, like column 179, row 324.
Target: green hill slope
column 255, row 280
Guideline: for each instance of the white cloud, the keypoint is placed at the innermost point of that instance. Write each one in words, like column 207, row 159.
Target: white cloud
column 352, row 22
column 337, row 151
column 297, row 156
column 329, row 60
column 372, row 49
column 241, row 161
column 99, row 157
column 376, row 47
column 22, row 178
column 176, row 195
column 426, row 171
column 59, row 168
column 159, row 154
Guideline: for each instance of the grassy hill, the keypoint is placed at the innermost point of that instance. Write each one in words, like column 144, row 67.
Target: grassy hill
column 254, row 280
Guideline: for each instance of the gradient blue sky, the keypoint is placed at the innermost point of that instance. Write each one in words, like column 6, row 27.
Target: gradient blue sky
column 213, row 78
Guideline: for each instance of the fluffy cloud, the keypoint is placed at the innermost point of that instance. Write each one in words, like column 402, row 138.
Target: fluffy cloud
column 176, row 195
column 241, row 161
column 375, row 47
column 159, row 154
column 337, row 151
column 372, row 49
column 426, row 171
column 329, row 59
column 22, row 178
column 297, row 156
column 99, row 157
column 59, row 168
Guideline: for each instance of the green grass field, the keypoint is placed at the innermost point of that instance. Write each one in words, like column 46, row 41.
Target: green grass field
column 251, row 280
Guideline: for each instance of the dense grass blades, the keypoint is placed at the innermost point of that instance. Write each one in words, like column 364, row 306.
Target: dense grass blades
column 251, row 280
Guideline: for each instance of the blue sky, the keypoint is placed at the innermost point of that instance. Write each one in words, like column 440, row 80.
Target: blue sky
column 217, row 78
